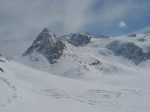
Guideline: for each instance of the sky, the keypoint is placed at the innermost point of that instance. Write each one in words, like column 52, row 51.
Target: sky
column 22, row 20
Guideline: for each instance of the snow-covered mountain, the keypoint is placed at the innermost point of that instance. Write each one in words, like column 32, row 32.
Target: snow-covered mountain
column 80, row 55
column 114, row 71
column 24, row 89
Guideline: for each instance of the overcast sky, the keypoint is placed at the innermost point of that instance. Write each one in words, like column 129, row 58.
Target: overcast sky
column 22, row 20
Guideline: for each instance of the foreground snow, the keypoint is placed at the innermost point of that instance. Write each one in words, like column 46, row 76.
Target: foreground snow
column 24, row 89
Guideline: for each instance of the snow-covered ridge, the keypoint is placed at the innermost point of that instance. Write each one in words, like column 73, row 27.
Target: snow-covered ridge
column 80, row 55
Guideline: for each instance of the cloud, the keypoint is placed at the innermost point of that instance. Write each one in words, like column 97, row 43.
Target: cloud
column 122, row 24
column 27, row 15
column 22, row 20
column 105, row 15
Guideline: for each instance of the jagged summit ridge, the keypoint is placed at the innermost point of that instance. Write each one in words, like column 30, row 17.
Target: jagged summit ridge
column 45, row 37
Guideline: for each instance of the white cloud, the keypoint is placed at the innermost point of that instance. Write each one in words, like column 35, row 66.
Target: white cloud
column 22, row 20
column 122, row 24
column 27, row 15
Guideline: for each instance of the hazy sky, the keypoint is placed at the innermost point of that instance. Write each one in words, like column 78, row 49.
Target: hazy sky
column 22, row 20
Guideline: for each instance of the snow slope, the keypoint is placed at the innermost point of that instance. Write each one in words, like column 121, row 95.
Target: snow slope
column 24, row 89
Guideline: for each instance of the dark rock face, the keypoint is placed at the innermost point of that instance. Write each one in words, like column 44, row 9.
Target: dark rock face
column 2, row 60
column 96, row 62
column 132, row 35
column 128, row 50
column 48, row 45
column 1, row 70
column 147, row 55
column 78, row 39
column 141, row 39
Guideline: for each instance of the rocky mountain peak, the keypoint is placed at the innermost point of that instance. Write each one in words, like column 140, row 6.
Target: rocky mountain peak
column 45, row 37
column 48, row 45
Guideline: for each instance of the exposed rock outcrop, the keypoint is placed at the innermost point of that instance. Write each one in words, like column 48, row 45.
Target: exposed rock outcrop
column 78, row 39
column 132, row 35
column 128, row 50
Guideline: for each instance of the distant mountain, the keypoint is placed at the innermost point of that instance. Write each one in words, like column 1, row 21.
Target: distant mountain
column 78, row 55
